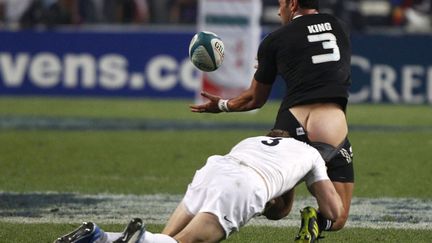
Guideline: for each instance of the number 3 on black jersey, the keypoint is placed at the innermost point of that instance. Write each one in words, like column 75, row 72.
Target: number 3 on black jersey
column 328, row 42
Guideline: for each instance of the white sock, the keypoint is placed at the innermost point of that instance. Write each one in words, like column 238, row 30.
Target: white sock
column 149, row 237
column 112, row 236
column 103, row 238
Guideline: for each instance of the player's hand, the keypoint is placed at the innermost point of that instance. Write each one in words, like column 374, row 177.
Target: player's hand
column 211, row 106
column 275, row 209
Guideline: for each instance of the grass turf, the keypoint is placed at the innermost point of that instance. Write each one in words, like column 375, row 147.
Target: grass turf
column 357, row 114
column 388, row 164
column 46, row 233
column 164, row 162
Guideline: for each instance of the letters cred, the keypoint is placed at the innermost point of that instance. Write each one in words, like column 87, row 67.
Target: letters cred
column 328, row 42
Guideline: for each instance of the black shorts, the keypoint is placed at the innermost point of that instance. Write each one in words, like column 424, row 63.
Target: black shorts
column 339, row 167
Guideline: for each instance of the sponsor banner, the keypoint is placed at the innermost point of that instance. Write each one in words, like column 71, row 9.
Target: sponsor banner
column 143, row 64
column 389, row 69
column 237, row 22
column 392, row 69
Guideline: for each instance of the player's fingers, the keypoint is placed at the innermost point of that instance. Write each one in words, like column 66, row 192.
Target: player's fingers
column 201, row 110
column 209, row 96
column 197, row 108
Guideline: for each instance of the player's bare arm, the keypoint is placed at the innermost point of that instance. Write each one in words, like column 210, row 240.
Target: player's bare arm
column 329, row 201
column 252, row 98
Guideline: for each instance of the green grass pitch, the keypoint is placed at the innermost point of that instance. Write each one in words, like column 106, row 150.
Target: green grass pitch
column 392, row 145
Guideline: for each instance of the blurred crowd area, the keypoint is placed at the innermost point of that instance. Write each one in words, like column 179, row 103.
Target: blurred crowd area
column 361, row 15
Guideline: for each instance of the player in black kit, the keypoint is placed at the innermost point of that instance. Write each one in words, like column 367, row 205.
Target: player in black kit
column 311, row 52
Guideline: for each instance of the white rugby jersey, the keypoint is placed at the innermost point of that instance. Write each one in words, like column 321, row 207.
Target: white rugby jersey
column 282, row 162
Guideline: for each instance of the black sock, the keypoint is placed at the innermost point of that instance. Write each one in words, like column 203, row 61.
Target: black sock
column 323, row 223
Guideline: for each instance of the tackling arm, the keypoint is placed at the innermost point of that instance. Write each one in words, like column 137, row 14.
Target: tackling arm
column 329, row 202
column 252, row 98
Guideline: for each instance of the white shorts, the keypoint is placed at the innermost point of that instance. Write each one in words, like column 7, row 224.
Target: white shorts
column 228, row 189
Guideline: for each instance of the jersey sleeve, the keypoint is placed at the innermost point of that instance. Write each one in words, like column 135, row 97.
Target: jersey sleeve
column 318, row 172
column 267, row 69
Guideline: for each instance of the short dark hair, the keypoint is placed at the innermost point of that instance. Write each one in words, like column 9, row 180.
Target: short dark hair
column 275, row 133
column 309, row 4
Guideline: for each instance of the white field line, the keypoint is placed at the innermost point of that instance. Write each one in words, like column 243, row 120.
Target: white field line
column 51, row 207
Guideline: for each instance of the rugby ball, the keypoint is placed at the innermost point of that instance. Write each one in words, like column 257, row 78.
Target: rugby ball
column 206, row 51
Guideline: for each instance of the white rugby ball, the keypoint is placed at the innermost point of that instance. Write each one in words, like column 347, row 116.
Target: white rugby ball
column 206, row 51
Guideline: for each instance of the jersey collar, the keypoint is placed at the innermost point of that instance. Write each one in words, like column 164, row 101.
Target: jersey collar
column 298, row 16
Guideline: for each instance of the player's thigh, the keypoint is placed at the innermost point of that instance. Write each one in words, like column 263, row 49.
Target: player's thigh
column 340, row 170
column 204, row 227
column 177, row 221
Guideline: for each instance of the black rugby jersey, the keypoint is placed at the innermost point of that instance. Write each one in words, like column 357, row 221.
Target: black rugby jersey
column 312, row 54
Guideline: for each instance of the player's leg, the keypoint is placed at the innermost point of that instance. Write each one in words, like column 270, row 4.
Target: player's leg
column 230, row 196
column 135, row 232
column 345, row 191
column 178, row 220
column 193, row 199
column 341, row 173
column 204, row 227
column 340, row 169
column 325, row 125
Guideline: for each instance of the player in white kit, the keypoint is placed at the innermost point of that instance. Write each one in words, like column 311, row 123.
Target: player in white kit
column 231, row 189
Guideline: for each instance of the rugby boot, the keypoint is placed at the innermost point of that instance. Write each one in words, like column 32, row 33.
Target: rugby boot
column 133, row 232
column 88, row 232
column 309, row 227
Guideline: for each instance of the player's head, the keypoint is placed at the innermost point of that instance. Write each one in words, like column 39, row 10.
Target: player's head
column 308, row 4
column 277, row 133
column 289, row 8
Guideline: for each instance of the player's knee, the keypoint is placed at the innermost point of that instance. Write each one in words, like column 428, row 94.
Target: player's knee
column 340, row 221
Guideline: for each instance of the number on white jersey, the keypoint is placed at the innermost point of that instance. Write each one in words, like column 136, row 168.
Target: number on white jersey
column 274, row 142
